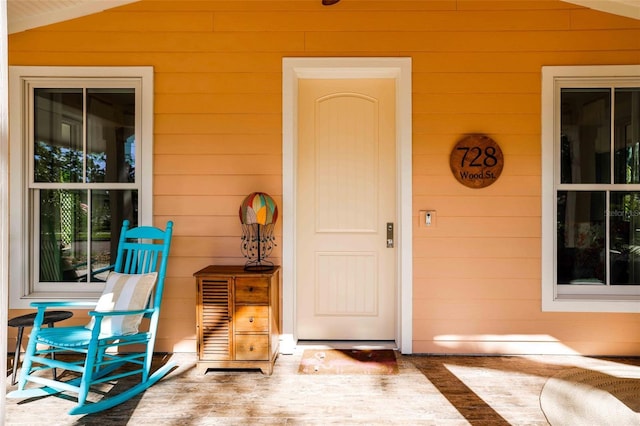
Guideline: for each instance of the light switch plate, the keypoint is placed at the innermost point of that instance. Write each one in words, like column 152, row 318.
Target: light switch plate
column 428, row 219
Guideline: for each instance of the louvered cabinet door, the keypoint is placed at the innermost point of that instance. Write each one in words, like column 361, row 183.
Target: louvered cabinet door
column 215, row 331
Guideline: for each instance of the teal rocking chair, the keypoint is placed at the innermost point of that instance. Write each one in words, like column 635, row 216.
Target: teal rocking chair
column 99, row 353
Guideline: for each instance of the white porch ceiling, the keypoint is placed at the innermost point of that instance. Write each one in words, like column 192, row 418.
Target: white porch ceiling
column 628, row 8
column 27, row 14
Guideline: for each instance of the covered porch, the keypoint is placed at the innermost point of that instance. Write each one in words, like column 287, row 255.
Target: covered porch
column 428, row 390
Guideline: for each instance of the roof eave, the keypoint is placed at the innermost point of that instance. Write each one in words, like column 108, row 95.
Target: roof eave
column 66, row 11
column 628, row 8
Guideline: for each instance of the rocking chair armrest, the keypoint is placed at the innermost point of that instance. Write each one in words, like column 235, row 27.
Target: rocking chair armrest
column 120, row 313
column 64, row 304
column 105, row 269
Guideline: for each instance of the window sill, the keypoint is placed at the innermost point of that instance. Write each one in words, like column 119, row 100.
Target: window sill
column 592, row 303
column 24, row 302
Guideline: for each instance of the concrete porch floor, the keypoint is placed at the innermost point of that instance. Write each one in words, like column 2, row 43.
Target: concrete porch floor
column 429, row 390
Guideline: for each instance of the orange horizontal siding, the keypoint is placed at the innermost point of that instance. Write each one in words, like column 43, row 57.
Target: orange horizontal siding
column 474, row 123
column 514, row 62
column 209, row 144
column 476, row 205
column 164, row 40
column 217, row 246
column 473, row 83
column 488, row 5
column 218, row 123
column 518, row 165
column 180, row 288
column 197, row 62
column 213, row 82
column 475, row 248
column 517, row 144
column 452, row 40
column 471, row 103
column 595, row 335
column 112, row 21
column 483, row 227
column 598, row 327
column 198, row 204
column 218, row 164
column 204, row 226
column 583, row 18
column 505, row 185
column 221, row 185
column 435, row 21
column 474, row 288
column 472, row 267
column 482, row 310
column 203, row 103
column 476, row 68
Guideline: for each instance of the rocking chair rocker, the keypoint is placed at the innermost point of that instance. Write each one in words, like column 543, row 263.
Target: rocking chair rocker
column 132, row 291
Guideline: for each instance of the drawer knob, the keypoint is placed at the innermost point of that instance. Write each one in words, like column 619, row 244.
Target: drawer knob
column 250, row 289
column 251, row 319
column 251, row 348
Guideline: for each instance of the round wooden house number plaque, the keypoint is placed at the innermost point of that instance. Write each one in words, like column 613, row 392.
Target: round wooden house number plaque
column 476, row 161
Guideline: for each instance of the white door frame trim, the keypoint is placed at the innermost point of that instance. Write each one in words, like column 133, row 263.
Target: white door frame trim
column 399, row 69
column 4, row 202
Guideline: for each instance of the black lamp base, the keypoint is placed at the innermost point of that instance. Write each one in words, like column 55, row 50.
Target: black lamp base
column 258, row 265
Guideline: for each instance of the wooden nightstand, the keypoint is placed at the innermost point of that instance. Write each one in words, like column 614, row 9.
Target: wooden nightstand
column 238, row 317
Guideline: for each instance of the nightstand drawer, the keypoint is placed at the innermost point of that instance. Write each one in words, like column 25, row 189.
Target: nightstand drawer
column 252, row 347
column 252, row 290
column 252, row 319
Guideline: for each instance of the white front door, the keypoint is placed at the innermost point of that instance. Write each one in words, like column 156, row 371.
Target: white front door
column 345, row 203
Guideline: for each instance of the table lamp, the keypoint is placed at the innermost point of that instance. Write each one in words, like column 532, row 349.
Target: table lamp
column 258, row 214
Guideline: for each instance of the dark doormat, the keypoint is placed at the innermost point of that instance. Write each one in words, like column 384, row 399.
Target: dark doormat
column 348, row 361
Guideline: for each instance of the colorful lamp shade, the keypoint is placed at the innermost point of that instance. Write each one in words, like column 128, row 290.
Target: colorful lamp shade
column 258, row 214
column 258, row 208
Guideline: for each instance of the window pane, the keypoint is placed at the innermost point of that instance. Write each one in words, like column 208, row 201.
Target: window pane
column 63, row 232
column 625, row 237
column 111, row 135
column 109, row 209
column 627, row 135
column 63, row 235
column 585, row 136
column 58, row 135
column 580, row 235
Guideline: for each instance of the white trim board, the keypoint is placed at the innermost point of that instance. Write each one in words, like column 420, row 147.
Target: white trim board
column 4, row 202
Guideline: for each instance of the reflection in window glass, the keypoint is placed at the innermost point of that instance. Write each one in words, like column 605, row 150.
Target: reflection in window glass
column 64, row 222
column 585, row 136
column 110, row 135
column 71, row 221
column 57, row 135
column 627, row 135
column 580, row 237
column 624, row 219
column 63, row 236
column 109, row 208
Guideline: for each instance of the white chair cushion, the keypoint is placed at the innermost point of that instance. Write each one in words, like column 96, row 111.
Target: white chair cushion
column 124, row 292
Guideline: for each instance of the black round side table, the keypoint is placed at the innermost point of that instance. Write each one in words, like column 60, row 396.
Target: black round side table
column 50, row 318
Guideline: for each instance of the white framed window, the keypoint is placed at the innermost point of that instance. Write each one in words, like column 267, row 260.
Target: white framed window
column 81, row 158
column 591, row 188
